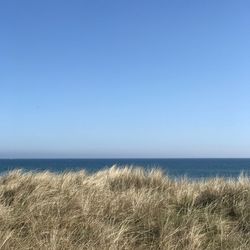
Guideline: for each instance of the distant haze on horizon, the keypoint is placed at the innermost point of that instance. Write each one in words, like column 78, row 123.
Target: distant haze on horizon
column 104, row 79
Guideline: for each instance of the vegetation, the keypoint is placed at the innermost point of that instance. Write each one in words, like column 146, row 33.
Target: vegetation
column 122, row 208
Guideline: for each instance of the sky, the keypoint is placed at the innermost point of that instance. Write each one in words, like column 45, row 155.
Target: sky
column 123, row 78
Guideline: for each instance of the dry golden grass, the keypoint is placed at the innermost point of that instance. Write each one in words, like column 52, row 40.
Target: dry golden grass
column 126, row 208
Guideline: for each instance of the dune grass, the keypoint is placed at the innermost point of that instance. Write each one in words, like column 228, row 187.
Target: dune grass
column 122, row 208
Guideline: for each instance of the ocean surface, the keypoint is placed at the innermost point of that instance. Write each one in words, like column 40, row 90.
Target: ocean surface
column 191, row 168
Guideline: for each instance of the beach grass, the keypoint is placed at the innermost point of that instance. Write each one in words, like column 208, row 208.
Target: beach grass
column 122, row 208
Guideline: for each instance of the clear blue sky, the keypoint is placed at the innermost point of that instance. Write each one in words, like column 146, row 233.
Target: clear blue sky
column 121, row 78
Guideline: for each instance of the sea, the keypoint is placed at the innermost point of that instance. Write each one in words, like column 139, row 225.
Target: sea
column 176, row 168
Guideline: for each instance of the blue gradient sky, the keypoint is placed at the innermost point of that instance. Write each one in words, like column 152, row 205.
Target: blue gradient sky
column 124, row 78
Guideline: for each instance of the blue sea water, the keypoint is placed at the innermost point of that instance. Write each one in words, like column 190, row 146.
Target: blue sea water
column 191, row 168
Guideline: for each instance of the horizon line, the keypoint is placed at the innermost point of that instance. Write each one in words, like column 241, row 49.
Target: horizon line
column 116, row 158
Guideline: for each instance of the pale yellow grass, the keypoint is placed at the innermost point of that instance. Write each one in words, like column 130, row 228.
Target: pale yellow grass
column 122, row 208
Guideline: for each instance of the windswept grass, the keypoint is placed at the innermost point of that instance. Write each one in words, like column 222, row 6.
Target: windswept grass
column 127, row 208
